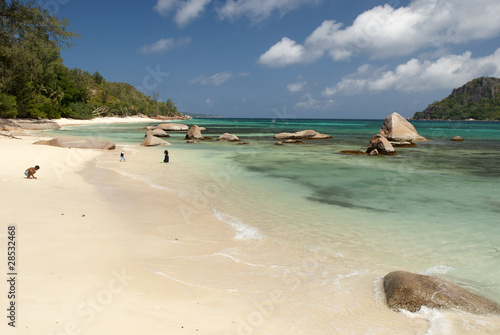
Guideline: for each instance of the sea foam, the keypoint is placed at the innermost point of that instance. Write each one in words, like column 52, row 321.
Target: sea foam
column 243, row 231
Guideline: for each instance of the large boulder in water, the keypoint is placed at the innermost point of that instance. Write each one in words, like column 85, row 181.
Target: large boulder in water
column 81, row 143
column 150, row 140
column 172, row 127
column 158, row 132
column 302, row 135
column 405, row 290
column 194, row 133
column 381, row 144
column 228, row 137
column 396, row 128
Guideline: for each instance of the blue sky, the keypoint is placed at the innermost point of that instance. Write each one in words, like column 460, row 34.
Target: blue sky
column 287, row 58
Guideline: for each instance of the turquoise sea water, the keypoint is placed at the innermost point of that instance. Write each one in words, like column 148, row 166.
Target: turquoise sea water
column 432, row 209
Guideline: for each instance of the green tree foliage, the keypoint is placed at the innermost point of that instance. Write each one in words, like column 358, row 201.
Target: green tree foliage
column 34, row 82
column 8, row 108
column 30, row 42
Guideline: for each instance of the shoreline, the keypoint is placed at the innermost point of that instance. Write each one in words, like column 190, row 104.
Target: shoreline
column 105, row 271
column 105, row 120
column 83, row 239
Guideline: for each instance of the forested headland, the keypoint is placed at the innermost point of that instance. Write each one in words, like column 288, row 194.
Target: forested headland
column 34, row 82
column 479, row 99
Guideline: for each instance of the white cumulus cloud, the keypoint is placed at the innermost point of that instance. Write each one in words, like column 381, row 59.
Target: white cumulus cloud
column 308, row 103
column 209, row 102
column 296, row 87
column 185, row 10
column 384, row 32
column 165, row 44
column 283, row 53
column 258, row 10
column 217, row 79
column 447, row 72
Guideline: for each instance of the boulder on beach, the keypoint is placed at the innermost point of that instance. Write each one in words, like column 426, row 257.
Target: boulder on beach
column 172, row 127
column 228, row 137
column 194, row 133
column 381, row 144
column 302, row 135
column 81, row 143
column 23, row 124
column 151, row 141
column 396, row 128
column 405, row 290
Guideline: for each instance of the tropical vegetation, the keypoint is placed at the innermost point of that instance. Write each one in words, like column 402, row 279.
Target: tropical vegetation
column 478, row 99
column 34, row 82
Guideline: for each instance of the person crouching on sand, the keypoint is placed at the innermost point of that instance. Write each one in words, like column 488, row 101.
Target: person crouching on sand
column 30, row 172
column 165, row 160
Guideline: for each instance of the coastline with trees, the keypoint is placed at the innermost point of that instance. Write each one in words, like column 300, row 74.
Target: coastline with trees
column 34, row 82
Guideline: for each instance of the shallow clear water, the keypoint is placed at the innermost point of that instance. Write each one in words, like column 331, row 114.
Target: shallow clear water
column 431, row 209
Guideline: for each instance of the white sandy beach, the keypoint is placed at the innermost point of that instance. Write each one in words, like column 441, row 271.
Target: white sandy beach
column 84, row 235
column 79, row 253
column 105, row 120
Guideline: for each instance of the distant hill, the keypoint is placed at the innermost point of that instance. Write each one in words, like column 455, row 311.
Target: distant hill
column 479, row 99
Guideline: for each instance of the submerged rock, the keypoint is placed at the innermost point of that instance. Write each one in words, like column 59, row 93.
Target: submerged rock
column 303, row 135
column 396, row 128
column 381, row 144
column 403, row 144
column 148, row 128
column 405, row 290
column 353, row 152
column 457, row 139
column 228, row 137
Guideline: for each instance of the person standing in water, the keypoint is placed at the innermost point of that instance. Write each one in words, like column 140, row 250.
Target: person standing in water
column 122, row 156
